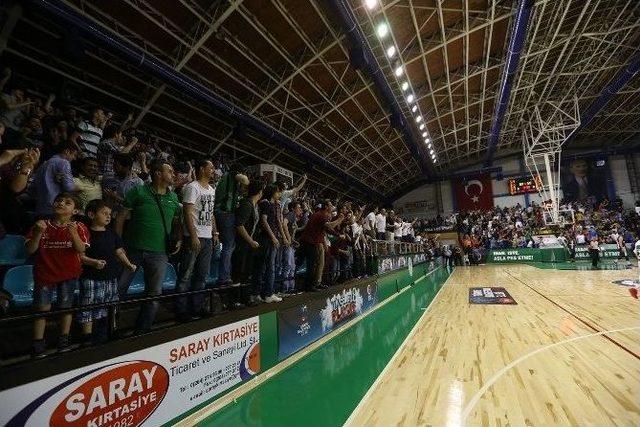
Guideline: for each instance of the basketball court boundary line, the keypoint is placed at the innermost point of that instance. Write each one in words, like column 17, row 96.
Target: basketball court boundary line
column 495, row 377
column 584, row 322
column 231, row 397
column 382, row 373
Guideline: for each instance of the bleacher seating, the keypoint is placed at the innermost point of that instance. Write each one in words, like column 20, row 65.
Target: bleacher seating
column 18, row 281
column 12, row 250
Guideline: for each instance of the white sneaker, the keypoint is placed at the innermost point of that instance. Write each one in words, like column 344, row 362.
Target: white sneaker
column 272, row 298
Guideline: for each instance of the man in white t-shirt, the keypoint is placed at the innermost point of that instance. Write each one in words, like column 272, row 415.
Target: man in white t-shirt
column 636, row 250
column 381, row 224
column 369, row 225
column 201, row 235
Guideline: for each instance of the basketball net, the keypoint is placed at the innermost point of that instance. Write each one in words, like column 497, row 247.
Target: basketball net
column 544, row 134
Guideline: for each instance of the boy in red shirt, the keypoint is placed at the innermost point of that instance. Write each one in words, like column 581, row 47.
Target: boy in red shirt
column 59, row 242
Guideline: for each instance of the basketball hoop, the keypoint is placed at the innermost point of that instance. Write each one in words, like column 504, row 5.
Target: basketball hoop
column 550, row 124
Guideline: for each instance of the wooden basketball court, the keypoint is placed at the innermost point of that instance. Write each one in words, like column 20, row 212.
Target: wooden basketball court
column 567, row 354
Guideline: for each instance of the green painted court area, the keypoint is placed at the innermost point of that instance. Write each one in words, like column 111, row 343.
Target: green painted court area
column 324, row 387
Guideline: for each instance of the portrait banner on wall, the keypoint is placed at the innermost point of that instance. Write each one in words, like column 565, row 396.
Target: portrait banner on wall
column 584, row 179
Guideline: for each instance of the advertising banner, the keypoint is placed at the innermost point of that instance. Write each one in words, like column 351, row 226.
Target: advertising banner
column 490, row 296
column 300, row 326
column 608, row 251
column 150, row 386
column 514, row 255
column 397, row 262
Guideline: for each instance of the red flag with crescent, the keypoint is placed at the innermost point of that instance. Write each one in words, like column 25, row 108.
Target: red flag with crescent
column 474, row 192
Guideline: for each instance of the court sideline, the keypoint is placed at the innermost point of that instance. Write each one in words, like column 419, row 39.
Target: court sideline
column 567, row 354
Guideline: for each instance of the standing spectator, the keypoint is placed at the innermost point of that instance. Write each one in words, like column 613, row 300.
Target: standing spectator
column 116, row 187
column 290, row 226
column 288, row 195
column 269, row 240
column 153, row 213
column 381, row 224
column 201, row 235
column 13, row 106
column 226, row 201
column 88, row 183
column 58, row 244
column 594, row 252
column 90, row 132
column 244, row 256
column 15, row 171
column 312, row 240
column 53, row 177
column 113, row 143
column 369, row 226
column 99, row 280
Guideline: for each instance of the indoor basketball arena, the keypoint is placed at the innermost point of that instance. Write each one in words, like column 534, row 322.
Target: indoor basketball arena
column 283, row 213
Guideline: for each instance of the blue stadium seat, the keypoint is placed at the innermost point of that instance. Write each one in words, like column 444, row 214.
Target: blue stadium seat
column 168, row 284
column 12, row 250
column 170, row 279
column 137, row 284
column 215, row 261
column 19, row 283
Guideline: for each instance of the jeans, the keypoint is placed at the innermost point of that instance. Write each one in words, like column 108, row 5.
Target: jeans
column 226, row 222
column 194, row 269
column 155, row 267
column 288, row 269
column 314, row 254
column 265, row 269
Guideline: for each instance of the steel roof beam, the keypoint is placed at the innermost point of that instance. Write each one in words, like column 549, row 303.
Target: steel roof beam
column 517, row 40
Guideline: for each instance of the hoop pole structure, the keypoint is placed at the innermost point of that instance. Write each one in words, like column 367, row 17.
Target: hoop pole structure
column 554, row 204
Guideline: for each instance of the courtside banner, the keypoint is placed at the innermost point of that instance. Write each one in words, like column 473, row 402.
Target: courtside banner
column 397, row 262
column 300, row 326
column 150, row 387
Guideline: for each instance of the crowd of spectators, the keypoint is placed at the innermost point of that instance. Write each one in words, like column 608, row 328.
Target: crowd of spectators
column 97, row 200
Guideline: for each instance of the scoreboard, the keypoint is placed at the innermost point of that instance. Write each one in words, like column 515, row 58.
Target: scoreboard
column 524, row 185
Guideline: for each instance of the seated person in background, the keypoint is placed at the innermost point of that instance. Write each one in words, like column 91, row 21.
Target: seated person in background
column 99, row 280
column 59, row 243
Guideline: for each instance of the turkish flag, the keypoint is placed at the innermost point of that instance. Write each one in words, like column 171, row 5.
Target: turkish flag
column 474, row 193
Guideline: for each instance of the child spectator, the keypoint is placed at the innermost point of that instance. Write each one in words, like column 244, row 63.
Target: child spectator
column 99, row 280
column 59, row 243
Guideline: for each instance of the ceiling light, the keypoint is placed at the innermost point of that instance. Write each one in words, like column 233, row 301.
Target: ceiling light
column 391, row 50
column 398, row 71
column 422, row 126
column 418, row 119
column 410, row 98
column 424, row 134
column 435, row 160
column 427, row 140
column 405, row 86
column 382, row 30
column 414, row 108
column 371, row 4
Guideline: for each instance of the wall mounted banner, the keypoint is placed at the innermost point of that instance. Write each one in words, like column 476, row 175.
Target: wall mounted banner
column 150, row 387
column 474, row 193
column 300, row 326
column 490, row 296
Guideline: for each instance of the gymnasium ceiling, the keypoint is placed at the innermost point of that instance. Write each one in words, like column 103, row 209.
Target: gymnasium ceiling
column 287, row 62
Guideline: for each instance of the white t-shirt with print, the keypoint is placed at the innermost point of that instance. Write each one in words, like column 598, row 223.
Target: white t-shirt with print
column 203, row 199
